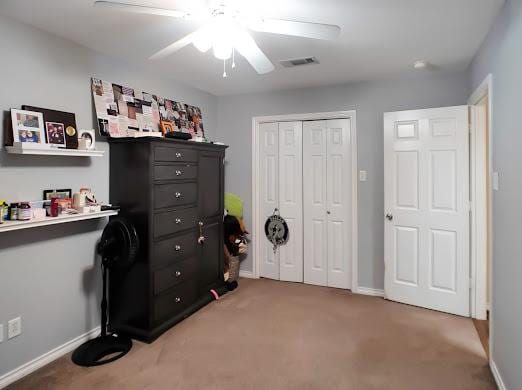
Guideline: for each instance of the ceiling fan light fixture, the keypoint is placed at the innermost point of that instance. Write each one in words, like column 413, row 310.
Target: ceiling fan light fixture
column 203, row 39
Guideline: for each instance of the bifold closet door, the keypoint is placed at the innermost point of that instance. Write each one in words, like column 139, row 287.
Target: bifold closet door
column 291, row 199
column 269, row 196
column 327, row 202
column 281, row 171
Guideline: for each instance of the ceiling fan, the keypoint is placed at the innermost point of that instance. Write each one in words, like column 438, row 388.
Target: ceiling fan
column 225, row 29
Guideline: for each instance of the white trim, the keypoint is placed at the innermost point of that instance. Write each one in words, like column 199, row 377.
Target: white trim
column 479, row 232
column 247, row 274
column 255, row 175
column 374, row 292
column 46, row 358
column 496, row 375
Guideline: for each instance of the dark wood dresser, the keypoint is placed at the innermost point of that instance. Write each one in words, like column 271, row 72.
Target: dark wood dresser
column 167, row 188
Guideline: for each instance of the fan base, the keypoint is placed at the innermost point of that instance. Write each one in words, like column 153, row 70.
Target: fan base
column 101, row 350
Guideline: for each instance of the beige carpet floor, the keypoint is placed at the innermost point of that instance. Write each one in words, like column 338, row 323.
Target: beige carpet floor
column 276, row 335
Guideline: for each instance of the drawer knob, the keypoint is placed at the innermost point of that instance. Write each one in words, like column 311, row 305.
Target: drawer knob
column 178, row 221
column 178, row 155
column 178, row 274
column 178, row 172
column 178, row 299
column 177, row 195
column 177, row 248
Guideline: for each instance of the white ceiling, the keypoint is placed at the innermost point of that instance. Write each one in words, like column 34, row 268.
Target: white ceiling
column 379, row 38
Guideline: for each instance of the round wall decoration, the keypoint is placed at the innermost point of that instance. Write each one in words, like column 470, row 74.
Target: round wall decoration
column 276, row 229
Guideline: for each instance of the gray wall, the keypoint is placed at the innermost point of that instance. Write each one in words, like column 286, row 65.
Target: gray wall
column 48, row 275
column 371, row 100
column 501, row 55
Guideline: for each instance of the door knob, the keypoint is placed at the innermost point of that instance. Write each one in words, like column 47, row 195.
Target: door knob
column 389, row 217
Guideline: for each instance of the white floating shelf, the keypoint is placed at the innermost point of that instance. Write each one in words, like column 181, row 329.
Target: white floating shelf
column 18, row 225
column 54, row 152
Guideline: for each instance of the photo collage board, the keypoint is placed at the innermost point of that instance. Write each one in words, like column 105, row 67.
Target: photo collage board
column 119, row 109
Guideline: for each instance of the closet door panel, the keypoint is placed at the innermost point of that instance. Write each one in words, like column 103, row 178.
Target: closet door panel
column 315, row 222
column 291, row 199
column 269, row 170
column 339, row 202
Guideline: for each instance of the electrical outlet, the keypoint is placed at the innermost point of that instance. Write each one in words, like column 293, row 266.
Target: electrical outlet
column 14, row 327
column 363, row 175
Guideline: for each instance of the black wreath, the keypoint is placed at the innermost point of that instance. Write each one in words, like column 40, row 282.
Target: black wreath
column 278, row 233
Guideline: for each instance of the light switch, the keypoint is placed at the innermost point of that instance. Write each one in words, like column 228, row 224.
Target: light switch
column 363, row 175
column 494, row 180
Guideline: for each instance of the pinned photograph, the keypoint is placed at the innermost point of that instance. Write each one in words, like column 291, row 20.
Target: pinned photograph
column 55, row 133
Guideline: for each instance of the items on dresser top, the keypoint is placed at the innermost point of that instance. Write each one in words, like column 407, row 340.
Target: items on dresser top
column 175, row 200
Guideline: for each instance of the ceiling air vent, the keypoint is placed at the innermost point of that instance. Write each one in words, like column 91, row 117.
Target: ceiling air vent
column 299, row 62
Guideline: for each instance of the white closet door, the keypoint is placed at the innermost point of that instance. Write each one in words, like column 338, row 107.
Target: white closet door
column 315, row 203
column 291, row 199
column 269, row 172
column 339, row 201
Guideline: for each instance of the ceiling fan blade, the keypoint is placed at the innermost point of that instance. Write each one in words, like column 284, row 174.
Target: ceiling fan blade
column 141, row 9
column 294, row 28
column 247, row 47
column 174, row 47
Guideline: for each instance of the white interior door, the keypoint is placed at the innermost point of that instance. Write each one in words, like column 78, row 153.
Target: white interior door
column 327, row 202
column 315, row 203
column 426, row 171
column 291, row 199
column 269, row 188
column 339, row 195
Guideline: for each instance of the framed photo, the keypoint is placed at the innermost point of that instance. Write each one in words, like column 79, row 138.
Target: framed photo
column 86, row 139
column 62, row 194
column 28, row 126
column 55, row 133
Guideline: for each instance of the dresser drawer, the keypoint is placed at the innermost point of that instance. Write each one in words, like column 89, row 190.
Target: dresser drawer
column 175, row 194
column 175, row 300
column 168, row 153
column 170, row 222
column 175, row 274
column 167, row 252
column 175, row 172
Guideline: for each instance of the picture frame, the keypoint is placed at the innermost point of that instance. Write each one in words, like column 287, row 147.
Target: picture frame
column 28, row 126
column 87, row 139
column 55, row 134
column 59, row 193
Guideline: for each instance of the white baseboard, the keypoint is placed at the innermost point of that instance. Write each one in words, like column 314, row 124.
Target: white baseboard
column 46, row 358
column 496, row 375
column 247, row 274
column 374, row 292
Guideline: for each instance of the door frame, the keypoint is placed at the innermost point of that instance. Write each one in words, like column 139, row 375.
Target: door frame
column 256, row 121
column 480, row 228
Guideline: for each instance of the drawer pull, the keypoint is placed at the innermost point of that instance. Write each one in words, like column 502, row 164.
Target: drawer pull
column 178, row 274
column 178, row 299
column 177, row 195
column 178, row 172
column 178, row 221
column 178, row 155
column 177, row 248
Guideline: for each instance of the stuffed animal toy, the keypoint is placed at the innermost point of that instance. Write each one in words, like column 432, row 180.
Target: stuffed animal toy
column 235, row 241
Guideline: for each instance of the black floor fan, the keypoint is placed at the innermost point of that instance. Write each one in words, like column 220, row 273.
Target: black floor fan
column 118, row 248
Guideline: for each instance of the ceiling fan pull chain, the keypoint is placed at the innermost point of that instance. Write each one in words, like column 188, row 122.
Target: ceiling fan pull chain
column 224, row 68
